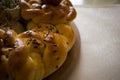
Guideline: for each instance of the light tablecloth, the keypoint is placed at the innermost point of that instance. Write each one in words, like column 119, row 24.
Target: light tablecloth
column 99, row 28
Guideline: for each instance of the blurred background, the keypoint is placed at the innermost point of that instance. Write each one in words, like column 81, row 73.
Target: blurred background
column 98, row 22
column 93, row 2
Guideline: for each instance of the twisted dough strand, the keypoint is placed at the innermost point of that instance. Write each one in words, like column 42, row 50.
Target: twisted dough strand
column 47, row 12
column 36, row 53
column 43, row 48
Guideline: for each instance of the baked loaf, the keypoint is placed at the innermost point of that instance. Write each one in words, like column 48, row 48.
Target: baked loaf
column 48, row 11
column 42, row 49
column 36, row 53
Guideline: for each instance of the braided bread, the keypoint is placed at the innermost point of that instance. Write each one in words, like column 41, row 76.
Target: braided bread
column 36, row 53
column 47, row 12
column 40, row 50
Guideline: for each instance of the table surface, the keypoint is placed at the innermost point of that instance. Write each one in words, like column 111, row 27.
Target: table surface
column 99, row 28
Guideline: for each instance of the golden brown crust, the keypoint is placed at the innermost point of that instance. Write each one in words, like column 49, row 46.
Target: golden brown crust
column 42, row 49
column 36, row 53
column 62, row 35
column 47, row 12
column 65, row 30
